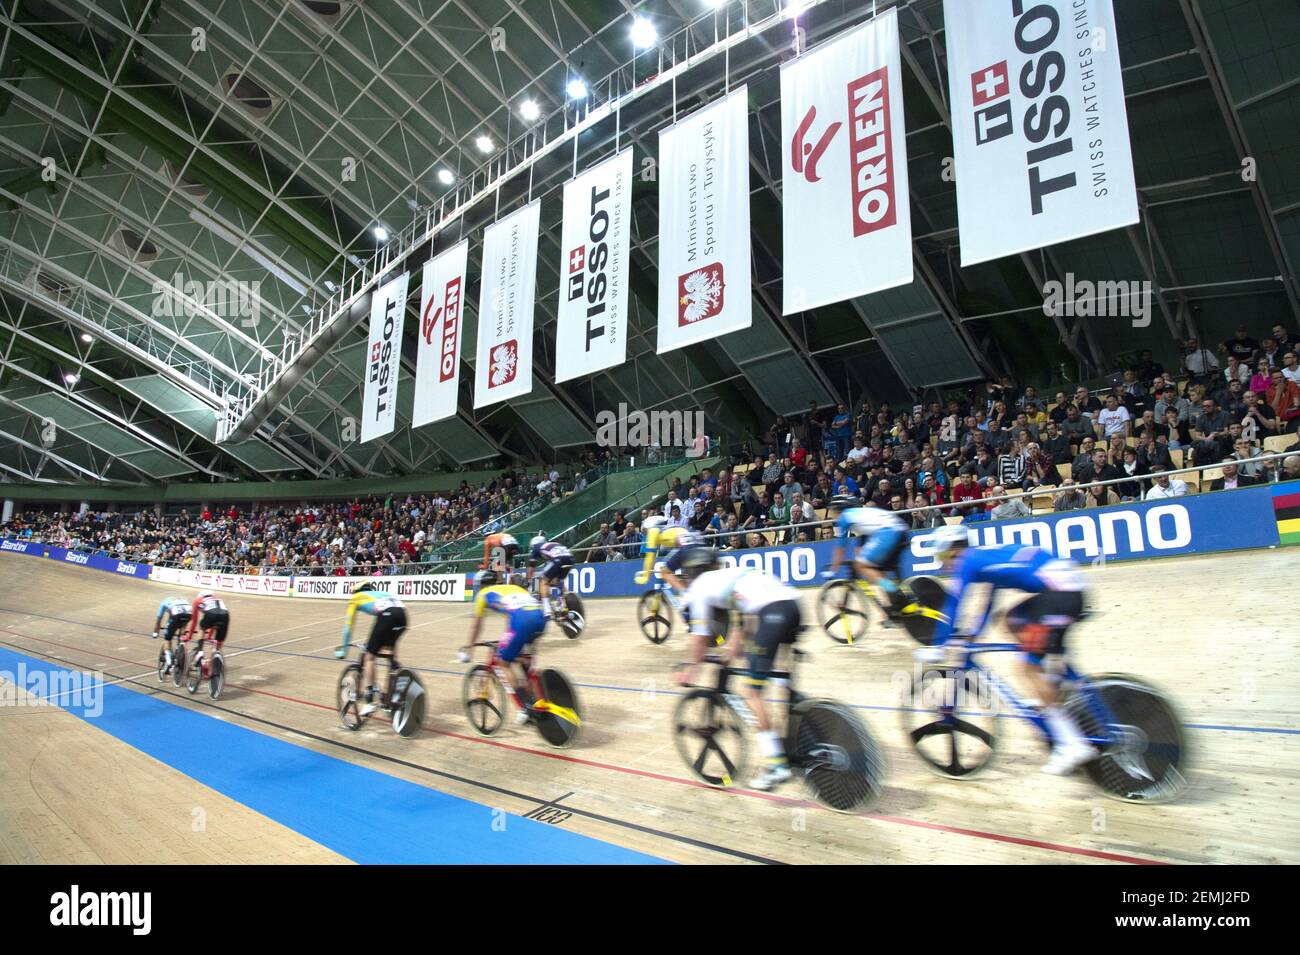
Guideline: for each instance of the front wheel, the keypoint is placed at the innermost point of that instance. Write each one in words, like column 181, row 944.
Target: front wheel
column 162, row 663
column 655, row 615
column 407, row 703
column 349, row 697
column 710, row 737
column 843, row 611
column 1145, row 754
column 485, row 700
column 217, row 681
column 841, row 762
column 194, row 675
column 949, row 717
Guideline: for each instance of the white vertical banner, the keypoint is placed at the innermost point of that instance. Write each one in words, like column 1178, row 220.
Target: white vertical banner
column 383, row 359
column 1039, row 124
column 847, row 221
column 591, row 329
column 504, row 367
column 704, row 286
column 437, row 365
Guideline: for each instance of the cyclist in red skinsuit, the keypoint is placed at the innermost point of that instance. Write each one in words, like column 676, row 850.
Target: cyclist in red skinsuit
column 209, row 614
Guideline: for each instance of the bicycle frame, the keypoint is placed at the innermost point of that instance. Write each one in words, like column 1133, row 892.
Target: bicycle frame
column 501, row 669
column 1026, row 711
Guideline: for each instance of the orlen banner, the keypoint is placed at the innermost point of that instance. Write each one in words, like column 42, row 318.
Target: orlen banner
column 704, row 288
column 504, row 368
column 1039, row 124
column 847, row 221
column 437, row 364
column 592, row 315
column 383, row 359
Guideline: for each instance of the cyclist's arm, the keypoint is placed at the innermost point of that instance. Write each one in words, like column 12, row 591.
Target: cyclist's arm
column 164, row 609
column 353, row 605
column 943, row 631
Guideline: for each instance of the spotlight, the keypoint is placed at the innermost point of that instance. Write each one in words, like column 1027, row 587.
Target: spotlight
column 381, row 233
column 529, row 110
column 446, row 177
column 644, row 33
column 484, row 144
column 70, row 379
column 576, row 89
column 87, row 338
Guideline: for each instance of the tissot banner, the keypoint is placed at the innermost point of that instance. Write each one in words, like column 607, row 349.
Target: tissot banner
column 847, row 220
column 504, row 368
column 1039, row 124
column 437, row 365
column 592, row 314
column 383, row 359
column 704, row 288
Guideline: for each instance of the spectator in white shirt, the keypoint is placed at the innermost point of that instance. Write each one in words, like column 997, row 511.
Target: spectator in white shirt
column 1114, row 419
column 1164, row 487
column 1291, row 366
column 1199, row 362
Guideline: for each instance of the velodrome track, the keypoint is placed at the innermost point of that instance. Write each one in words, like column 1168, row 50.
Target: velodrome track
column 266, row 774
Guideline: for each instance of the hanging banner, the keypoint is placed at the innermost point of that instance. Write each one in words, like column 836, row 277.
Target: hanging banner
column 504, row 368
column 704, row 288
column 383, row 359
column 1039, row 124
column 437, row 364
column 591, row 319
column 847, row 220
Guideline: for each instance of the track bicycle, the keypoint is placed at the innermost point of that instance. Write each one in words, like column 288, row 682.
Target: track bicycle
column 951, row 714
column 403, row 698
column 196, row 671
column 826, row 743
column 847, row 605
column 555, row 711
column 565, row 609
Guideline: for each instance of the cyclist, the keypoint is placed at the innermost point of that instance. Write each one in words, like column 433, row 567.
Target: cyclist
column 549, row 562
column 178, row 613
column 882, row 537
column 661, row 545
column 1039, row 623
column 525, row 621
column 390, row 624
column 766, row 615
column 499, row 552
column 209, row 614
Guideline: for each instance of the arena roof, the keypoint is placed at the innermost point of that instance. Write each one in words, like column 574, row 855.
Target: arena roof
column 265, row 141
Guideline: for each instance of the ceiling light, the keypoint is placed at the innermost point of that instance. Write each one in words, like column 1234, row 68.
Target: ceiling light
column 331, row 286
column 381, row 233
column 446, row 177
column 70, row 379
column 87, row 337
column 529, row 110
column 794, row 7
column 576, row 88
column 484, row 144
column 644, row 33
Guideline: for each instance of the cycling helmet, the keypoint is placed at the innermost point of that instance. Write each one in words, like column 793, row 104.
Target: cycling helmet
column 486, row 578
column 949, row 538
column 697, row 559
column 842, row 502
column 363, row 586
column 205, row 595
column 538, row 541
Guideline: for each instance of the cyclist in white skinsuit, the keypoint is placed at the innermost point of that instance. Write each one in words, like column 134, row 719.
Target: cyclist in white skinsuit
column 769, row 617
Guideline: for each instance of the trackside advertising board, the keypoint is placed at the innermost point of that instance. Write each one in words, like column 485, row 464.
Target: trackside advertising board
column 1248, row 518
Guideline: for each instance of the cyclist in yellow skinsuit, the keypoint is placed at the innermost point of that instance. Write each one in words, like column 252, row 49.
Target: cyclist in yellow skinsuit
column 661, row 541
column 390, row 624
column 525, row 621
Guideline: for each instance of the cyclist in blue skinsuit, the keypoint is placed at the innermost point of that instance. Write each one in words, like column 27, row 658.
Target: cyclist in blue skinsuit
column 177, row 611
column 1039, row 623
column 881, row 540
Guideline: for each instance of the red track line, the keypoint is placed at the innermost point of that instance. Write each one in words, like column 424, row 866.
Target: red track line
column 662, row 777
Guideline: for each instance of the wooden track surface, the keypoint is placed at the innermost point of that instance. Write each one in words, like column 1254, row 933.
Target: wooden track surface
column 1216, row 633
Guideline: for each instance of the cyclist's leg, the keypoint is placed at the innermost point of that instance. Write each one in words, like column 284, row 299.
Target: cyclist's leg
column 877, row 561
column 776, row 624
column 522, row 628
column 1040, row 625
column 389, row 626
